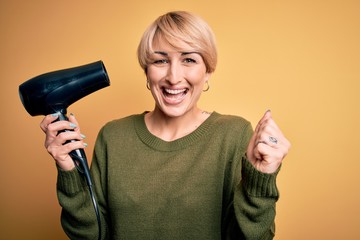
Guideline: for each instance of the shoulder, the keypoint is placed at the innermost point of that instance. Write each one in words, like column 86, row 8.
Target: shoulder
column 232, row 132
column 227, row 121
column 231, row 128
column 121, row 125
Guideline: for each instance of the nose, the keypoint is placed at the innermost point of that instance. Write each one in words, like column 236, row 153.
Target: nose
column 174, row 73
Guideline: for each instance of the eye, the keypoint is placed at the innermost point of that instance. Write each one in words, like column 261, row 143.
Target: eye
column 160, row 61
column 189, row 60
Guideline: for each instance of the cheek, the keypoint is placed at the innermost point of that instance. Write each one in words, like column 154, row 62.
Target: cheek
column 198, row 77
column 150, row 75
column 155, row 74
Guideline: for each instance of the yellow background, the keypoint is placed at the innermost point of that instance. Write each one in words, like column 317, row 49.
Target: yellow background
column 299, row 58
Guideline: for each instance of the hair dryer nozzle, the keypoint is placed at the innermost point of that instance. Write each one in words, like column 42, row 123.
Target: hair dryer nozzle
column 55, row 91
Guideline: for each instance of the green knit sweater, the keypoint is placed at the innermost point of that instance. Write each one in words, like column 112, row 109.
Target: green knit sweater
column 200, row 186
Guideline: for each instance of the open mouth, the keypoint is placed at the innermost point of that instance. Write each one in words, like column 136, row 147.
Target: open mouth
column 175, row 94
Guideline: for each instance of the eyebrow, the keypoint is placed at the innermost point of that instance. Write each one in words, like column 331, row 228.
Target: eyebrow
column 166, row 54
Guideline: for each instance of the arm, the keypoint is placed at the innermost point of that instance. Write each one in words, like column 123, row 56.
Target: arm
column 78, row 214
column 254, row 203
column 253, row 206
column 78, row 217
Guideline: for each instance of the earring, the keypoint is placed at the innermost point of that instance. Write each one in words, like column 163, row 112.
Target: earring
column 208, row 87
column 148, row 84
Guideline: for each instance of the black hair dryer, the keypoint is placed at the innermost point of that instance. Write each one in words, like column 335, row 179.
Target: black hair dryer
column 55, row 91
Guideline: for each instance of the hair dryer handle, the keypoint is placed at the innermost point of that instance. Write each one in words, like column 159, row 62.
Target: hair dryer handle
column 78, row 155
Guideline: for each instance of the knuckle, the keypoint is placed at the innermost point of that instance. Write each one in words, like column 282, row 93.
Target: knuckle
column 67, row 148
column 267, row 128
column 48, row 148
column 51, row 150
column 72, row 146
column 50, row 127
column 62, row 136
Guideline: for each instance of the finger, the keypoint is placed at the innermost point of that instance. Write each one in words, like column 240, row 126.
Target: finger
column 266, row 116
column 269, row 126
column 61, row 152
column 272, row 135
column 71, row 146
column 48, row 119
column 269, row 133
column 62, row 138
column 269, row 138
column 59, row 126
column 255, row 139
column 267, row 153
column 258, row 136
column 66, row 136
column 73, row 120
column 256, row 153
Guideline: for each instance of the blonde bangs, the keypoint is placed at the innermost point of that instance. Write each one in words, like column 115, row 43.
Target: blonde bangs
column 176, row 28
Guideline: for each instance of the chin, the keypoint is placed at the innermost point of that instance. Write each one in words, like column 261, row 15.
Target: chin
column 174, row 112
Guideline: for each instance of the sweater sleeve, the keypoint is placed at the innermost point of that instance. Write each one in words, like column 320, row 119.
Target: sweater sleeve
column 254, row 203
column 252, row 213
column 78, row 217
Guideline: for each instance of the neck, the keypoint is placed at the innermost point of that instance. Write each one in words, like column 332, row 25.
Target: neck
column 171, row 128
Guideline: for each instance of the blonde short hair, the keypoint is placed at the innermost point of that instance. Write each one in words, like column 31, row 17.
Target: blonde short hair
column 180, row 26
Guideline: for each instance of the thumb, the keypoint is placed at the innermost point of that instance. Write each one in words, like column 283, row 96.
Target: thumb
column 266, row 116
column 252, row 142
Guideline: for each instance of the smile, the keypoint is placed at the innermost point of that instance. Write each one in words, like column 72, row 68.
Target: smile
column 174, row 94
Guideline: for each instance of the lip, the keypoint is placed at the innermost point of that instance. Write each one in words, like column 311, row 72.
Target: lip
column 174, row 96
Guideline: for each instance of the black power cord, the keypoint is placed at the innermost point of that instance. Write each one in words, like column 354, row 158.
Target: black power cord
column 81, row 164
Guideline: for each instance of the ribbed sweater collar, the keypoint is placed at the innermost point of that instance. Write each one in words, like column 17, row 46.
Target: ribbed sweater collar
column 156, row 143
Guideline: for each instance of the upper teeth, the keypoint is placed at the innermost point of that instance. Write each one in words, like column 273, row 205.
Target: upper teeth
column 174, row 91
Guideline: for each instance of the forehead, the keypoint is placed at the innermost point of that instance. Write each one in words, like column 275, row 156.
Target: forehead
column 173, row 45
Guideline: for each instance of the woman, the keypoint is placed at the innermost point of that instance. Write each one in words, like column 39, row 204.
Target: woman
column 176, row 172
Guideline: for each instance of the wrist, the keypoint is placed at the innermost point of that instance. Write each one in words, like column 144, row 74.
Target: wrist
column 257, row 183
column 65, row 165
